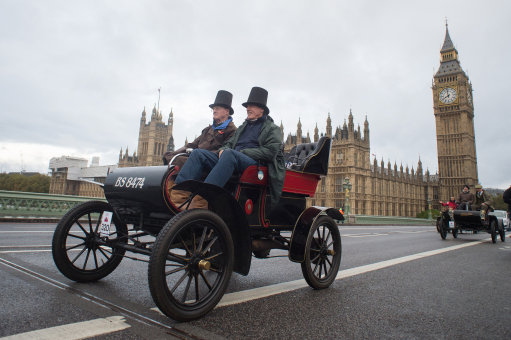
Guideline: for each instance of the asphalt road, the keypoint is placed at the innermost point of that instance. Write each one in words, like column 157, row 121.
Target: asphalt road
column 395, row 282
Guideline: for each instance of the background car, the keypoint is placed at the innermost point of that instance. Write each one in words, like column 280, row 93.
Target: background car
column 502, row 218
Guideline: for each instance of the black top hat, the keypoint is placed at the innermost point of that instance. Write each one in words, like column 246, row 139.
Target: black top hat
column 258, row 96
column 224, row 99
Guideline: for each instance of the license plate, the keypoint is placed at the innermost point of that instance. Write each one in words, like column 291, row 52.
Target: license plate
column 451, row 224
column 106, row 220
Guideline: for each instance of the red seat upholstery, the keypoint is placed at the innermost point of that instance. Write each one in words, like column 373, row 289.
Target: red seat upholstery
column 250, row 175
column 295, row 182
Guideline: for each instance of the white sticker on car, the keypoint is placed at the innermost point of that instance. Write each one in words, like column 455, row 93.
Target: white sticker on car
column 106, row 220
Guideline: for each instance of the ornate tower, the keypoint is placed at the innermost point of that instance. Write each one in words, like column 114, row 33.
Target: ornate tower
column 454, row 118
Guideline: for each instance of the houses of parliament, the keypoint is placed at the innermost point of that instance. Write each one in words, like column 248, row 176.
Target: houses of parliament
column 377, row 188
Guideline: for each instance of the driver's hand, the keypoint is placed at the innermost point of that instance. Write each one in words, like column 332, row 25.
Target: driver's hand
column 220, row 153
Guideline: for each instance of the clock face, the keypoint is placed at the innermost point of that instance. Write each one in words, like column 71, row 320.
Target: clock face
column 448, row 95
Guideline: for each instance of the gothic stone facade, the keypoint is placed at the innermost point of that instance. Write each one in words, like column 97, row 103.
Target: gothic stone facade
column 154, row 139
column 376, row 190
column 454, row 118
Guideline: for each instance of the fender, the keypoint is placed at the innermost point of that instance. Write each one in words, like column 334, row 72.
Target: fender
column 302, row 227
column 223, row 203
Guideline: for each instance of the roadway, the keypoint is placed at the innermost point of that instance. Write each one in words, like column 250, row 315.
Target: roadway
column 394, row 282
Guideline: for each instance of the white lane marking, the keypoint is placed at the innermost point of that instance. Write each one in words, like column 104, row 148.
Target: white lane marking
column 384, row 228
column 364, row 235
column 413, row 232
column 26, row 231
column 261, row 292
column 78, row 330
column 86, row 296
column 25, row 251
column 28, row 246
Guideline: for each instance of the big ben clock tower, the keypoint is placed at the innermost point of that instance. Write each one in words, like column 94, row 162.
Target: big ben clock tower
column 454, row 117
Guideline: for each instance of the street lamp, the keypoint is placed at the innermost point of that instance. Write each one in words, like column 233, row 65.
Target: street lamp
column 429, row 209
column 346, row 186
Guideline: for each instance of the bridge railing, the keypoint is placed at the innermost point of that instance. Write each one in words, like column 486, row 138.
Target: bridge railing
column 369, row 219
column 29, row 204
column 17, row 204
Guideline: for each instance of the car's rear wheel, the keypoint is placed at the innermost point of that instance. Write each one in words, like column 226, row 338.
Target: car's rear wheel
column 455, row 233
column 322, row 253
column 444, row 227
column 502, row 233
column 191, row 264
column 493, row 231
column 80, row 251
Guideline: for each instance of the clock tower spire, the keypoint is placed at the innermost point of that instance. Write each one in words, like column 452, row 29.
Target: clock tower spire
column 454, row 118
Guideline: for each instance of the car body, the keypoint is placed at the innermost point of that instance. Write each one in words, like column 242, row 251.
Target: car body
column 192, row 253
column 455, row 221
column 503, row 218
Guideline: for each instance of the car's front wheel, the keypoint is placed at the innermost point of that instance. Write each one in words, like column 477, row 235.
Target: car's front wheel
column 191, row 264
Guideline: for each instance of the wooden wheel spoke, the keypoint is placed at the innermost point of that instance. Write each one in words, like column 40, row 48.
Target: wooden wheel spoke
column 103, row 252
column 79, row 254
column 76, row 236
column 176, row 270
column 197, row 288
column 185, row 294
column 315, row 267
column 213, row 256
column 179, row 282
column 86, row 259
column 215, row 270
column 81, row 227
column 177, row 258
column 210, row 244
column 98, row 223
column 329, row 262
column 95, row 259
column 327, row 236
column 75, row 246
column 319, row 234
column 324, row 265
column 90, row 223
column 316, row 257
column 202, row 238
column 184, row 245
column 205, row 280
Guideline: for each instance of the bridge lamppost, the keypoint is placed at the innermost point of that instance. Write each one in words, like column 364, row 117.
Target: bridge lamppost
column 347, row 187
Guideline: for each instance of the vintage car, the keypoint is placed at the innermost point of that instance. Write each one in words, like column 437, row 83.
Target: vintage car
column 192, row 253
column 455, row 221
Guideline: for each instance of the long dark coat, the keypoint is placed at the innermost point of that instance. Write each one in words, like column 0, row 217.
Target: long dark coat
column 269, row 151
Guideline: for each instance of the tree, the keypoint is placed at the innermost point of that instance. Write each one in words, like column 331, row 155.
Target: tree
column 19, row 182
column 498, row 202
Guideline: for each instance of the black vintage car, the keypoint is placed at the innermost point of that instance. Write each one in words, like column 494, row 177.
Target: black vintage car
column 192, row 253
column 455, row 221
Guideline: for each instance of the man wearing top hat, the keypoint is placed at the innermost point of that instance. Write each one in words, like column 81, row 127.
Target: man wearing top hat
column 257, row 140
column 212, row 136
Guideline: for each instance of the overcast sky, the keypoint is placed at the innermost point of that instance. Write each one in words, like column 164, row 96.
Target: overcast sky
column 76, row 75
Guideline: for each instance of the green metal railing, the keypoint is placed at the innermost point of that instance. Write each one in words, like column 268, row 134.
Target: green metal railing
column 368, row 219
column 19, row 204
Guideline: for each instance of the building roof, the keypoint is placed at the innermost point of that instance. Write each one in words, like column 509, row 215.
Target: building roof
column 448, row 45
column 449, row 67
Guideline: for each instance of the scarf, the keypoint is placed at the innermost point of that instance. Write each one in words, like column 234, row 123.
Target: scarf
column 222, row 125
